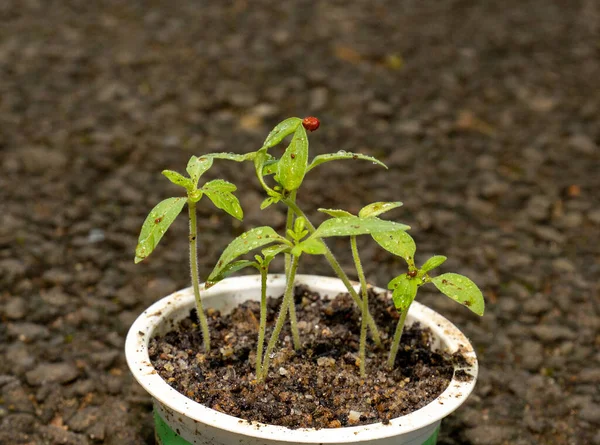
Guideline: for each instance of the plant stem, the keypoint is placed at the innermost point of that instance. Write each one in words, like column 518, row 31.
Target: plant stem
column 288, row 262
column 340, row 273
column 263, row 319
column 285, row 305
column 364, row 309
column 194, row 273
column 396, row 341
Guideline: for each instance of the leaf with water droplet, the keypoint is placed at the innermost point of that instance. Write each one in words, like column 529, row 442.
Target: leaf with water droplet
column 178, row 179
column 377, row 208
column 354, row 225
column 197, row 166
column 399, row 243
column 432, row 263
column 291, row 168
column 228, row 270
column 234, row 156
column 462, row 290
column 311, row 246
column 246, row 242
column 270, row 167
column 272, row 251
column 220, row 193
column 156, row 224
column 404, row 291
column 336, row 213
column 282, row 130
column 321, row 159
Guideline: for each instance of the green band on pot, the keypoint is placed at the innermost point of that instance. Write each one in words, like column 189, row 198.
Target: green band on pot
column 166, row 436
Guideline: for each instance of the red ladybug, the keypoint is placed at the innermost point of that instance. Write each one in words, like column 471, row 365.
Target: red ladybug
column 311, row 123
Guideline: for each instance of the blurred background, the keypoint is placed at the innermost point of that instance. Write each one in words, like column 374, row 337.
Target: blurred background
column 485, row 112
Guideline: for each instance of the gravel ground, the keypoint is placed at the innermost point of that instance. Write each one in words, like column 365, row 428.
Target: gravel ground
column 486, row 113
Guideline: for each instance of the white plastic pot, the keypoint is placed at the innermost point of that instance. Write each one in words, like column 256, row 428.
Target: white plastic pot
column 181, row 421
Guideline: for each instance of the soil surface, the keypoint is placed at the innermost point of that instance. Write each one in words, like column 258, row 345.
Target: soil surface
column 318, row 386
column 486, row 114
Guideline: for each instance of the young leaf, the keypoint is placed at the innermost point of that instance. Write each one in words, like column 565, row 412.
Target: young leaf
column 462, row 290
column 399, row 243
column 311, row 246
column 197, row 166
column 291, row 168
column 270, row 167
column 156, row 224
column 220, row 193
column 272, row 251
column 335, row 212
column 318, row 160
column 178, row 179
column 353, row 225
column 404, row 291
column 228, row 270
column 377, row 208
column 282, row 130
column 432, row 263
column 247, row 241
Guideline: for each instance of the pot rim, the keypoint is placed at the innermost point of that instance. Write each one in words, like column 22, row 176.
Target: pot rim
column 453, row 340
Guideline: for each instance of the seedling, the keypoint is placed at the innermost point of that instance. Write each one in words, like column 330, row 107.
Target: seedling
column 281, row 179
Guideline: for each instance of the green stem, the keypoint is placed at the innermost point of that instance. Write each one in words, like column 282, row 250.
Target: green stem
column 194, row 273
column 396, row 341
column 288, row 262
column 263, row 319
column 364, row 309
column 340, row 273
column 285, row 305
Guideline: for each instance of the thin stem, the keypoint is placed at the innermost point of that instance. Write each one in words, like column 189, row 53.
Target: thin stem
column 365, row 306
column 285, row 305
column 340, row 273
column 263, row 319
column 194, row 273
column 288, row 262
column 396, row 341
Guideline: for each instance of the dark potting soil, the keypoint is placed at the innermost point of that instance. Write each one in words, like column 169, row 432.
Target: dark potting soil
column 319, row 386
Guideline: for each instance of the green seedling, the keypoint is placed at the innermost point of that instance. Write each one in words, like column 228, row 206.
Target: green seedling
column 281, row 179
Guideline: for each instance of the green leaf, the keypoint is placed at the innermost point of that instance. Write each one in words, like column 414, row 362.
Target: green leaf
column 282, row 130
column 220, row 193
column 399, row 243
column 432, row 263
column 197, row 166
column 156, row 224
column 270, row 167
column 272, row 251
column 291, row 168
column 259, row 161
column 335, row 213
column 404, row 291
column 318, row 160
column 312, row 246
column 247, row 241
column 354, row 225
column 462, row 290
column 233, row 156
column 229, row 270
column 377, row 208
column 178, row 179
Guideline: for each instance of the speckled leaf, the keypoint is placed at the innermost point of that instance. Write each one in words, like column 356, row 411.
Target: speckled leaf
column 336, row 213
column 377, row 208
column 247, row 241
column 270, row 167
column 220, row 193
column 404, row 291
column 291, row 168
column 178, row 179
column 272, row 251
column 228, row 270
column 433, row 262
column 197, row 166
column 399, row 243
column 462, row 290
column 318, row 160
column 156, row 224
column 353, row 225
column 282, row 130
